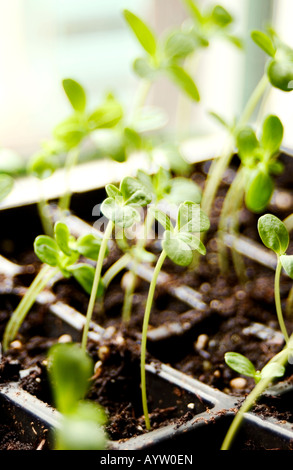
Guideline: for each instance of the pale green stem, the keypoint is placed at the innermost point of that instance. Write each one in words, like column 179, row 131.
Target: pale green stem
column 259, row 388
column 71, row 161
column 146, row 319
column 43, row 210
column 229, row 219
column 18, row 316
column 278, row 301
column 127, row 304
column 115, row 269
column 97, row 277
column 141, row 97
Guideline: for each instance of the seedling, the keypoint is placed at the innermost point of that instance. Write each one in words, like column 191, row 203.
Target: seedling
column 178, row 244
column 60, row 254
column 254, row 180
column 278, row 73
column 70, row 370
column 164, row 189
column 121, row 208
column 244, row 366
column 273, row 369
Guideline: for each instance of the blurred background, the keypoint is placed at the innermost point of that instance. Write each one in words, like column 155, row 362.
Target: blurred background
column 44, row 41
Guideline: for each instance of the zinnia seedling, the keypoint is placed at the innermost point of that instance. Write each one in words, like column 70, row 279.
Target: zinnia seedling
column 60, row 253
column 81, row 428
column 275, row 236
column 244, row 366
column 121, row 207
column 179, row 243
column 254, row 182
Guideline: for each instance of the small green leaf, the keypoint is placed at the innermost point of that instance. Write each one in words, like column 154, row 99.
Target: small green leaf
column 75, row 93
column 70, row 369
column 181, row 78
column 271, row 370
column 221, row 16
column 145, row 69
column 259, row 190
column 280, row 73
column 84, row 274
column 6, row 185
column 179, row 45
column 145, row 179
column 177, row 250
column 134, row 192
column 191, row 218
column 89, row 246
column 273, row 233
column 272, row 134
column 143, row 33
column 162, row 218
column 47, row 250
column 287, row 263
column 108, row 115
column 62, row 237
column 43, row 165
column 247, row 143
column 124, row 216
column 264, row 42
column 69, row 132
column 113, row 191
column 194, row 242
column 240, row 364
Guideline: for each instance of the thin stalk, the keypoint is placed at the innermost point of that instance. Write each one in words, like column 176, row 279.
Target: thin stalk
column 146, row 319
column 141, row 97
column 115, row 269
column 259, row 388
column 43, row 211
column 96, row 282
column 127, row 304
column 278, row 301
column 70, row 163
column 229, row 217
column 18, row 316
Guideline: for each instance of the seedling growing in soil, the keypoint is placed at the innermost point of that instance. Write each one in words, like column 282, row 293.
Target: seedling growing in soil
column 275, row 236
column 271, row 370
column 164, row 189
column 279, row 74
column 244, row 366
column 254, row 179
column 121, row 207
column 60, row 254
column 179, row 243
column 70, row 370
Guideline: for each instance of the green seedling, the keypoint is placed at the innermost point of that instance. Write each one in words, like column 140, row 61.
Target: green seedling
column 60, row 254
column 277, row 74
column 244, row 366
column 121, row 208
column 179, row 243
column 161, row 57
column 254, row 182
column 70, row 370
column 163, row 188
column 275, row 236
column 273, row 369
